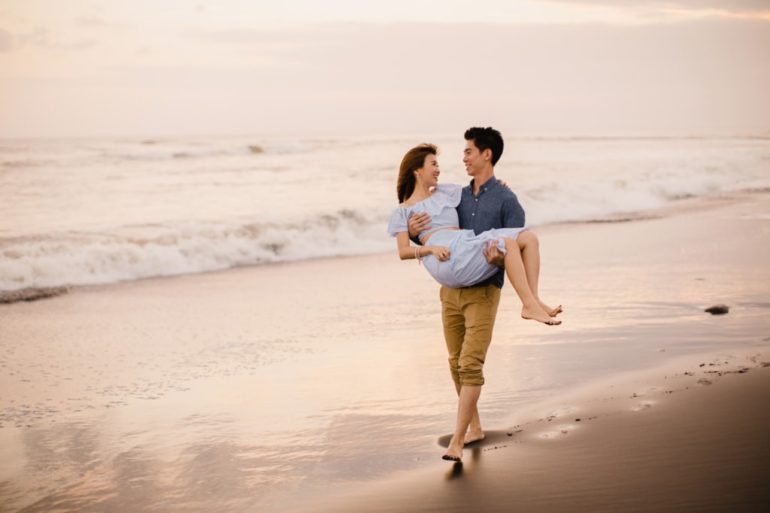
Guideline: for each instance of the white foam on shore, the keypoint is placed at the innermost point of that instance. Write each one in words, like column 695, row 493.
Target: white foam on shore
column 105, row 210
column 140, row 252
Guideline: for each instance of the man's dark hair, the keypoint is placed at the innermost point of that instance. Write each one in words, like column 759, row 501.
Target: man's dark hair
column 486, row 139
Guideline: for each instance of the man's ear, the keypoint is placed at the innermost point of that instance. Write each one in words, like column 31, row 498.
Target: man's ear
column 487, row 154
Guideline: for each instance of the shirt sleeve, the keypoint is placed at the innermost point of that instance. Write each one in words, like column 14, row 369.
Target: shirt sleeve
column 397, row 222
column 513, row 213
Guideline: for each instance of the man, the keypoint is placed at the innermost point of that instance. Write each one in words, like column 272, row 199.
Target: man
column 468, row 314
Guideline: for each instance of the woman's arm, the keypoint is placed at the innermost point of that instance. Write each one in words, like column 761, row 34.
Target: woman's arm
column 408, row 252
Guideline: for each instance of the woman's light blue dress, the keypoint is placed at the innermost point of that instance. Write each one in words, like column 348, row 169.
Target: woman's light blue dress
column 466, row 265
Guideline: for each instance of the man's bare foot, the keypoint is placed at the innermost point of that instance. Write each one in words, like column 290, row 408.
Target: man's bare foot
column 449, row 456
column 538, row 314
column 453, row 452
column 553, row 312
column 474, row 436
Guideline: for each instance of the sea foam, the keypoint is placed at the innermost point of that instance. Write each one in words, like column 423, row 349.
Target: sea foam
column 96, row 211
column 137, row 252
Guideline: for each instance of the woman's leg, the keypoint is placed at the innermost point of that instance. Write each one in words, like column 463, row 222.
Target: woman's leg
column 530, row 256
column 517, row 275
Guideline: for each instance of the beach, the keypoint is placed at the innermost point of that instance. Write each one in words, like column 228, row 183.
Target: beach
column 323, row 384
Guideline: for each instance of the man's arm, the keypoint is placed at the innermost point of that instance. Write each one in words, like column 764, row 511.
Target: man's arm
column 418, row 223
column 513, row 216
column 513, row 213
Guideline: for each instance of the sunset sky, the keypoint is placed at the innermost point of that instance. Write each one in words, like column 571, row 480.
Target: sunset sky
column 531, row 67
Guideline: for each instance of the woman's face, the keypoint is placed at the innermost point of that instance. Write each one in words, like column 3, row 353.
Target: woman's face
column 428, row 173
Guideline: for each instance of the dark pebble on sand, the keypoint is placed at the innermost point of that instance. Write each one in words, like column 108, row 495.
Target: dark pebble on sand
column 717, row 309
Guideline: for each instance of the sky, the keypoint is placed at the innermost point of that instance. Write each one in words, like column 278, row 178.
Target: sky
column 531, row 67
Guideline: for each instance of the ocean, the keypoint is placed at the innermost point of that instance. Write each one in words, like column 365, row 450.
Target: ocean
column 105, row 210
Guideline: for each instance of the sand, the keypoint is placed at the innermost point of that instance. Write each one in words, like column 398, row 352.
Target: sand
column 654, row 442
column 323, row 385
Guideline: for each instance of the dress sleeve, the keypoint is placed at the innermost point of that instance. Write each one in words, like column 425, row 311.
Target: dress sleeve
column 397, row 222
column 453, row 193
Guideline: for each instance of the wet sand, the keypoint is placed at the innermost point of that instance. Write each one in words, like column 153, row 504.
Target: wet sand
column 302, row 386
column 665, row 440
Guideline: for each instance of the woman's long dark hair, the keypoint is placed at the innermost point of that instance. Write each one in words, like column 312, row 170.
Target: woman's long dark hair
column 412, row 161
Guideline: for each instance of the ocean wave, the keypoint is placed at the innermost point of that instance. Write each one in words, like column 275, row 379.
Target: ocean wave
column 136, row 252
column 159, row 150
column 22, row 163
column 85, row 189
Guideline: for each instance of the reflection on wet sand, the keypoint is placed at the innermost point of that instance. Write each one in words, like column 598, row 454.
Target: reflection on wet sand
column 206, row 464
column 72, row 467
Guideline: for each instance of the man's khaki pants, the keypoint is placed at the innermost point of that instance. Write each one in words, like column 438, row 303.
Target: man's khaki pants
column 468, row 315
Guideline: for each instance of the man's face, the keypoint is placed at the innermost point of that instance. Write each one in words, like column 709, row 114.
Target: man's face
column 473, row 159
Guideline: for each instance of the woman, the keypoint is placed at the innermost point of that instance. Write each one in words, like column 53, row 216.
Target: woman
column 454, row 257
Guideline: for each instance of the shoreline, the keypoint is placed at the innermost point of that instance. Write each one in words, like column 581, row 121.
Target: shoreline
column 678, row 207
column 261, row 387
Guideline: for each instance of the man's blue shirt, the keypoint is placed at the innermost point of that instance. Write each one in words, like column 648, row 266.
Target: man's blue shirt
column 496, row 206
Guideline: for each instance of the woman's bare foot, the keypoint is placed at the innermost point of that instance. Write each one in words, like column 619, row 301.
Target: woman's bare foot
column 553, row 312
column 454, row 452
column 537, row 313
column 474, row 436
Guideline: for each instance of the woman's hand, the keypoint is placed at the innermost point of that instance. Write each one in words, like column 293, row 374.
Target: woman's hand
column 440, row 252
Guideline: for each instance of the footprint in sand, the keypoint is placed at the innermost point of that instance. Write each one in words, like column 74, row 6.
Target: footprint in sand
column 644, row 405
column 560, row 412
column 561, row 430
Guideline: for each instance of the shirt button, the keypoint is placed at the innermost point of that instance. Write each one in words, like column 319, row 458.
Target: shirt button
column 473, row 214
column 476, row 200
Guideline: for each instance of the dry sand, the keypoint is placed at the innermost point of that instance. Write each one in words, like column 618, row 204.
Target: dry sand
column 323, row 384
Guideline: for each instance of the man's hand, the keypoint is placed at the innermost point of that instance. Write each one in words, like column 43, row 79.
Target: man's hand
column 418, row 223
column 493, row 255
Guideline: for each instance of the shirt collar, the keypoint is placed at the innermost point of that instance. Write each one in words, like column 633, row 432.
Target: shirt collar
column 487, row 185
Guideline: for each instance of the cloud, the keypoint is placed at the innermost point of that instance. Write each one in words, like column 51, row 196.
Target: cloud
column 705, row 76
column 743, row 7
column 38, row 37
column 92, row 21
column 41, row 37
column 6, row 41
column 263, row 37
